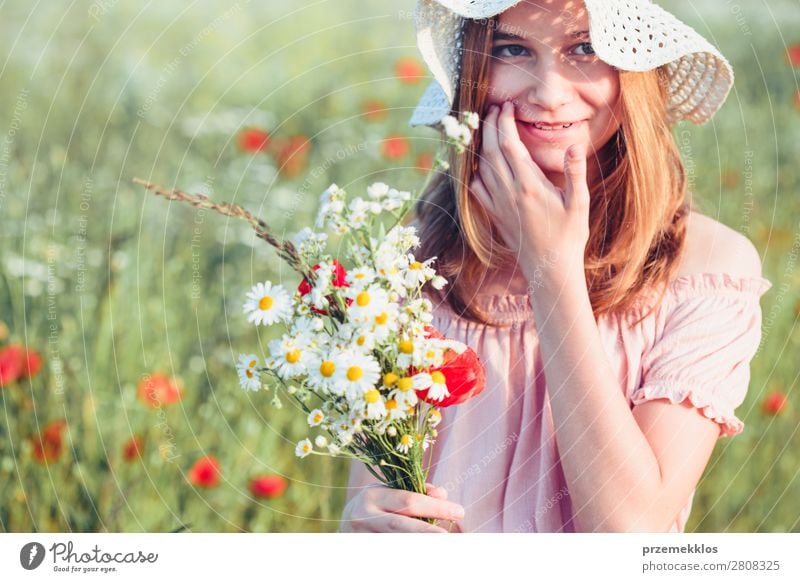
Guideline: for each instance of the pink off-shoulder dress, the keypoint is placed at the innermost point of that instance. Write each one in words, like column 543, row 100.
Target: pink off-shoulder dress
column 496, row 454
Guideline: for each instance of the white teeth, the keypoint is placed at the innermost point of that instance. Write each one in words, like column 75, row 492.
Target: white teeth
column 550, row 127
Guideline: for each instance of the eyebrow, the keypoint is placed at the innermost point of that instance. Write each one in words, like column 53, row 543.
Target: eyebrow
column 500, row 35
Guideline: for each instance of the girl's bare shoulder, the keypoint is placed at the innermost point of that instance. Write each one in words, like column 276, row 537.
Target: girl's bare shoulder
column 713, row 247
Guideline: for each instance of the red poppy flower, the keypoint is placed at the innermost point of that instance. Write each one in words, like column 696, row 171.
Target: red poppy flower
column 409, row 71
column 17, row 363
column 133, row 448
column 159, row 390
column 374, row 110
column 48, row 444
column 253, row 140
column 464, row 375
column 774, row 403
column 268, row 486
column 793, row 54
column 339, row 276
column 205, row 472
column 292, row 155
column 424, row 162
column 395, row 147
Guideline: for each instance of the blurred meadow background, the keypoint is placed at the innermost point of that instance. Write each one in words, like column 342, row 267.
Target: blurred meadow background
column 127, row 308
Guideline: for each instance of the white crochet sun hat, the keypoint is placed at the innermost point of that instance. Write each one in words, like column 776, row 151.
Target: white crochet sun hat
column 631, row 35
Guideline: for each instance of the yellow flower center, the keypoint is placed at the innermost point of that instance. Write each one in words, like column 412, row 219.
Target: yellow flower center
column 354, row 373
column 248, row 373
column 405, row 440
column 265, row 303
column 359, row 275
column 405, row 384
column 327, row 368
column 390, row 378
column 382, row 318
column 306, row 447
column 362, row 299
column 318, row 417
column 438, row 377
column 362, row 339
column 418, row 437
column 293, row 356
column 430, row 354
column 252, row 363
column 416, row 265
column 391, row 404
column 372, row 396
column 406, row 347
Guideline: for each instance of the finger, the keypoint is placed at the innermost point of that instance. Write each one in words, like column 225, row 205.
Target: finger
column 482, row 193
column 523, row 168
column 417, row 505
column 434, row 491
column 576, row 190
column 395, row 523
column 491, row 156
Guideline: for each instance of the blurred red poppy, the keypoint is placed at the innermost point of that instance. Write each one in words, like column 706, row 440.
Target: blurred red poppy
column 793, row 54
column 464, row 375
column 729, row 179
column 774, row 403
column 158, row 390
column 49, row 443
column 133, row 448
column 424, row 162
column 292, row 154
column 17, row 363
column 268, row 486
column 253, row 140
column 395, row 147
column 205, row 472
column 374, row 109
column 339, row 275
column 409, row 71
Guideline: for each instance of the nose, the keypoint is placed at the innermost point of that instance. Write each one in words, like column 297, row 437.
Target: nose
column 550, row 86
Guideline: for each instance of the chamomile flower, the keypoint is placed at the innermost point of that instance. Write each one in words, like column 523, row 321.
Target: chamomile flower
column 249, row 378
column 315, row 417
column 303, row 448
column 289, row 356
column 322, row 369
column 375, row 405
column 425, row 441
column 385, row 323
column 435, row 382
column 360, row 277
column 331, row 207
column 267, row 304
column 406, row 442
column 359, row 212
column 308, row 243
column 418, row 273
column 393, row 410
column 434, row 417
column 367, row 303
column 358, row 373
column 321, row 442
column 404, row 393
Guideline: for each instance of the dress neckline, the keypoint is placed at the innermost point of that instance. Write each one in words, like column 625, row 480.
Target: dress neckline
column 512, row 307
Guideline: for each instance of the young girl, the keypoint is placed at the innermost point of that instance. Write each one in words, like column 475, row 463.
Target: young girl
column 616, row 324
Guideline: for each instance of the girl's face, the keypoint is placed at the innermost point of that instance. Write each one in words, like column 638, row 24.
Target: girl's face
column 542, row 61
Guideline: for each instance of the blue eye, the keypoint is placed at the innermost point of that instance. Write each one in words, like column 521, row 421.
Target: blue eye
column 495, row 51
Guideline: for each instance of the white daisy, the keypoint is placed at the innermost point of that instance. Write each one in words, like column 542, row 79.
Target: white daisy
column 360, row 277
column 358, row 373
column 435, row 382
column 322, row 369
column 394, row 411
column 267, row 304
column 303, row 448
column 425, row 441
column 367, row 303
column 288, row 357
column 321, row 441
column 315, row 417
column 404, row 393
column 385, row 323
column 406, row 442
column 249, row 378
column 418, row 273
column 331, row 207
column 375, row 405
column 434, row 417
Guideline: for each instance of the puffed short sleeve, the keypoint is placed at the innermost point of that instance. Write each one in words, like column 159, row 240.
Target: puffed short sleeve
column 709, row 331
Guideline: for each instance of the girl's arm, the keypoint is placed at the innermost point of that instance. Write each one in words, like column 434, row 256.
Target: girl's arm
column 626, row 470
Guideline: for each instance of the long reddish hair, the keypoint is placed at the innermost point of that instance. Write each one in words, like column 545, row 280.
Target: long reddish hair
column 641, row 185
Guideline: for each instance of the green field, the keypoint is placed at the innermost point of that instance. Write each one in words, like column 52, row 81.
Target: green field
column 110, row 283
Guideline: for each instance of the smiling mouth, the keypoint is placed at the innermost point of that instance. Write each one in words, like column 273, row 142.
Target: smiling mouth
column 550, row 126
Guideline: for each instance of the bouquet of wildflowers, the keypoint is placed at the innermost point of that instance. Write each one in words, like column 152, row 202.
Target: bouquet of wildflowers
column 357, row 351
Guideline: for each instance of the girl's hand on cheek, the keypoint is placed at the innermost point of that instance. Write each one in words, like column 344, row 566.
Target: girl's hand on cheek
column 541, row 222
